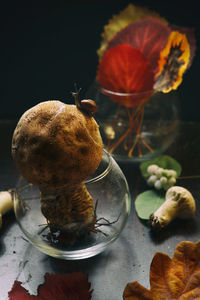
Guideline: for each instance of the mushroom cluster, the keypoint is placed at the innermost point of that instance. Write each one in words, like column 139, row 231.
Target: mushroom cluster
column 57, row 146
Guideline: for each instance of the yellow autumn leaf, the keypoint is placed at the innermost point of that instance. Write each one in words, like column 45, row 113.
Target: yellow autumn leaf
column 177, row 278
column 173, row 62
column 129, row 15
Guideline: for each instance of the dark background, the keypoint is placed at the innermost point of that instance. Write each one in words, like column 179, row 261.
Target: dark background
column 47, row 46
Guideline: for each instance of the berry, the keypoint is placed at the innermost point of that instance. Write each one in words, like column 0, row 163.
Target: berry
column 158, row 185
column 172, row 173
column 159, row 172
column 151, row 180
column 152, row 169
column 163, row 180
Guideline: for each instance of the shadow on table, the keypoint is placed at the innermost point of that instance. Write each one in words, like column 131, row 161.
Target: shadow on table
column 177, row 228
column 7, row 222
column 109, row 264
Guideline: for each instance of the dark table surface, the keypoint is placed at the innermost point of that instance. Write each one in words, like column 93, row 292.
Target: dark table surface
column 128, row 258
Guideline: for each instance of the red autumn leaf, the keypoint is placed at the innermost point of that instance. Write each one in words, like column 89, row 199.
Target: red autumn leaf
column 19, row 293
column 176, row 278
column 73, row 286
column 148, row 35
column 124, row 69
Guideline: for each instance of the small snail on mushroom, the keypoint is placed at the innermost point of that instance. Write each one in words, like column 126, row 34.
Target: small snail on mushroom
column 57, row 146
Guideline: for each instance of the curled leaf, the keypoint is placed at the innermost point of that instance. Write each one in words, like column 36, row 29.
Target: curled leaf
column 124, row 69
column 56, row 286
column 190, row 34
column 173, row 62
column 127, row 16
column 176, row 278
column 162, row 161
column 147, row 203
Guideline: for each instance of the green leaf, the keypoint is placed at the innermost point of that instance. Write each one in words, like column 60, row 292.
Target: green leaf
column 163, row 161
column 148, row 202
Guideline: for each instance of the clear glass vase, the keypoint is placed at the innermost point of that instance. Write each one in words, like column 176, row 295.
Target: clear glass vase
column 109, row 190
column 142, row 128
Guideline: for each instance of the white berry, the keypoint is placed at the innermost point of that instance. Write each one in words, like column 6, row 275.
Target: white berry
column 172, row 180
column 152, row 169
column 163, row 180
column 158, row 185
column 151, row 180
column 172, row 173
column 159, row 172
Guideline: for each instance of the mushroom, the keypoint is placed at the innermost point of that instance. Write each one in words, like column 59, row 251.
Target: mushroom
column 179, row 203
column 57, row 146
column 6, row 203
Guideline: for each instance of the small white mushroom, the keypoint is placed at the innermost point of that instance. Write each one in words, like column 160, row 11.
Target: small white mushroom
column 179, row 203
column 6, row 203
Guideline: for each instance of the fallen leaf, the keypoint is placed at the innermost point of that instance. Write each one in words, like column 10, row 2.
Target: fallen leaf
column 147, row 203
column 124, row 69
column 74, row 286
column 177, row 278
column 135, row 291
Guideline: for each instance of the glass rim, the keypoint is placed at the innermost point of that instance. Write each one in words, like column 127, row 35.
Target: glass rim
column 121, row 94
column 104, row 173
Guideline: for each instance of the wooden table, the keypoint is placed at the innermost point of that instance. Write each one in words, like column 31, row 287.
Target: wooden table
column 129, row 258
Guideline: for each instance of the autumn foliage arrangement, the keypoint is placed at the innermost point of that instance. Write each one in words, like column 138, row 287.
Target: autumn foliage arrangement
column 140, row 55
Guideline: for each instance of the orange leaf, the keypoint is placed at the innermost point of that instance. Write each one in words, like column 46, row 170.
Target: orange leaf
column 176, row 278
column 135, row 291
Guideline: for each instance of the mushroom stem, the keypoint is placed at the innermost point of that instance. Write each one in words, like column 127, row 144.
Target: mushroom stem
column 164, row 215
column 69, row 209
column 6, row 203
column 179, row 203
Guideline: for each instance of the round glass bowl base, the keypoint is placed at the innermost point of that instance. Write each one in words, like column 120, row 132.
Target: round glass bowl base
column 110, row 193
column 140, row 132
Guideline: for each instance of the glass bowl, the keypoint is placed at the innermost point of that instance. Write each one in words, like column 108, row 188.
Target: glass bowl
column 110, row 192
column 141, row 131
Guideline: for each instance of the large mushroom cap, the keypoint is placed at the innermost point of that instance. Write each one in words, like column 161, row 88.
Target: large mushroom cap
column 55, row 144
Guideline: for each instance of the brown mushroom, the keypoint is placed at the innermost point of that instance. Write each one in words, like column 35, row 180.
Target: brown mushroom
column 57, row 147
